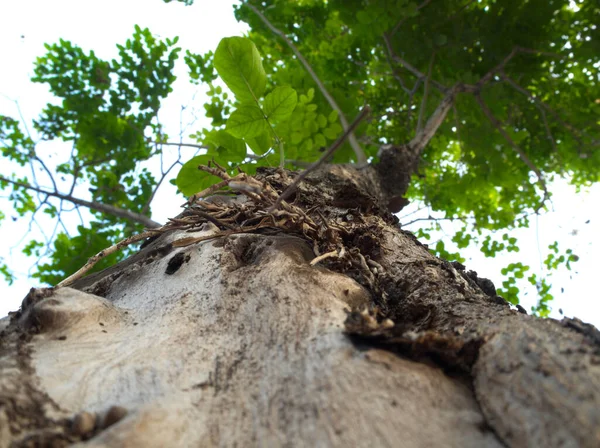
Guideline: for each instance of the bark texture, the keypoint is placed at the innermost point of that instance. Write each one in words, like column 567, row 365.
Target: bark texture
column 241, row 341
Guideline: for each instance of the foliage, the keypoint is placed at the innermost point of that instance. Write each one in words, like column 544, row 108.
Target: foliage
column 104, row 111
column 534, row 65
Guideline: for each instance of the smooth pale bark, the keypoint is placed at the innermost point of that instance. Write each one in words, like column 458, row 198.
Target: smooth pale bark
column 239, row 341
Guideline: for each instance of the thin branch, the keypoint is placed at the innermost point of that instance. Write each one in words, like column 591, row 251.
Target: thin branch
column 104, row 253
column 457, row 124
column 431, row 218
column 548, row 132
column 289, row 190
column 162, row 178
column 409, row 103
column 395, row 73
column 104, row 208
column 399, row 24
column 48, row 172
column 422, row 137
column 455, row 14
column 425, row 95
column 361, row 159
column 540, row 103
column 408, row 66
column 512, row 143
column 498, row 69
column 190, row 145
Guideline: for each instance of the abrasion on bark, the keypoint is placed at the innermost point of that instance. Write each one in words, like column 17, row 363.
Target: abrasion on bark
column 320, row 324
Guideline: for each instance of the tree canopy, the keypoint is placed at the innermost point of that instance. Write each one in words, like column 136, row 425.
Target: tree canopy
column 496, row 99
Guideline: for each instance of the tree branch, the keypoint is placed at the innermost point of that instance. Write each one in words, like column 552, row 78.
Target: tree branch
column 408, row 66
column 190, row 145
column 289, row 190
column 158, row 184
column 360, row 155
column 425, row 95
column 399, row 24
column 104, row 253
column 423, row 136
column 512, row 143
column 543, row 105
column 104, row 208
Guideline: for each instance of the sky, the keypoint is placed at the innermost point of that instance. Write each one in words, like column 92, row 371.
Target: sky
column 26, row 25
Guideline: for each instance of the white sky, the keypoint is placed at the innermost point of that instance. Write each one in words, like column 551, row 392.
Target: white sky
column 27, row 24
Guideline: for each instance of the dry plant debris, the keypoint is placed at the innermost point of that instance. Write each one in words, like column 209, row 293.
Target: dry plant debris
column 255, row 204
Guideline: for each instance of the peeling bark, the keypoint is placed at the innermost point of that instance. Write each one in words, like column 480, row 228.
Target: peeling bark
column 241, row 341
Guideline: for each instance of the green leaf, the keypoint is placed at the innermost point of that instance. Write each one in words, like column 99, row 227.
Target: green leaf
column 320, row 141
column 280, row 103
column 260, row 144
column 226, row 147
column 191, row 180
column 240, row 66
column 440, row 39
column 322, row 121
column 306, row 146
column 333, row 116
column 296, row 137
column 246, row 121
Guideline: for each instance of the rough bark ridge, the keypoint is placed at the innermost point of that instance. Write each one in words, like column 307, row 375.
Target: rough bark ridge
column 253, row 340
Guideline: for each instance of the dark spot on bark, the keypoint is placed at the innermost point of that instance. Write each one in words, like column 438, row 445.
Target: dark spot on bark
column 500, row 300
column 104, row 331
column 521, row 310
column 583, row 328
column 114, row 415
column 458, row 266
column 219, row 242
column 101, row 324
column 148, row 241
column 102, row 286
column 486, row 285
column 176, row 262
column 156, row 254
column 62, row 338
column 34, row 296
column 83, row 423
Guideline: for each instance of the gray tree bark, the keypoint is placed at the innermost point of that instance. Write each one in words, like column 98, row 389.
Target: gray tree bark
column 241, row 341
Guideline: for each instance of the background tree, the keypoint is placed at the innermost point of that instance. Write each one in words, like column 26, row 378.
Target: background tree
column 239, row 340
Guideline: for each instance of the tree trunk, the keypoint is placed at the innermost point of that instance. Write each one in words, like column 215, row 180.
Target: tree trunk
column 241, row 341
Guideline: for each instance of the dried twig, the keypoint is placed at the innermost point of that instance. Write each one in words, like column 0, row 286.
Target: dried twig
column 361, row 159
column 289, row 190
column 314, row 261
column 104, row 253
